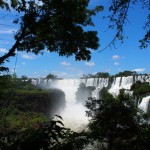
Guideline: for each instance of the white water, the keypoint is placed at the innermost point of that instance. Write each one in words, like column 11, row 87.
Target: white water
column 74, row 113
column 121, row 83
column 145, row 104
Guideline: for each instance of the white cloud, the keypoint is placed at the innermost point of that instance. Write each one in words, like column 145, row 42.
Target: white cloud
column 94, row 73
column 54, row 72
column 27, row 56
column 64, row 63
column 7, row 31
column 79, row 75
column 23, row 63
column 139, row 70
column 3, row 50
column 62, row 74
column 46, row 71
column 116, row 63
column 35, row 75
column 90, row 64
column 71, row 69
column 115, row 57
column 13, row 71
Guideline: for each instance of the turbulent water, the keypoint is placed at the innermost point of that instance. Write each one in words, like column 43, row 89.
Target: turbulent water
column 74, row 113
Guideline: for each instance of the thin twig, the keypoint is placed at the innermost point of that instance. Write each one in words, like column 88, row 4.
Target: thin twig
column 120, row 30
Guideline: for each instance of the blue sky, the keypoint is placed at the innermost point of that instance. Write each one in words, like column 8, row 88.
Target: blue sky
column 126, row 56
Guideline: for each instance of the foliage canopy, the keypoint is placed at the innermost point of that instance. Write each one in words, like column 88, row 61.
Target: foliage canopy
column 54, row 25
column 140, row 89
column 115, row 121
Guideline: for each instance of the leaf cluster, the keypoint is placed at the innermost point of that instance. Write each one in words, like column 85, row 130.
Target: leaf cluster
column 51, row 76
column 8, row 4
column 48, row 136
column 115, row 121
column 126, row 73
column 140, row 89
column 57, row 26
column 40, row 137
column 97, row 75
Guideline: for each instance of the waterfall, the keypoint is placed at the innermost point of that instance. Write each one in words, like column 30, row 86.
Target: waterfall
column 145, row 104
column 90, row 82
column 69, row 87
column 74, row 113
column 127, row 82
column 115, row 86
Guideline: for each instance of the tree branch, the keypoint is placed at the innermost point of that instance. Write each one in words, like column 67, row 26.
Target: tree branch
column 14, row 47
column 119, row 27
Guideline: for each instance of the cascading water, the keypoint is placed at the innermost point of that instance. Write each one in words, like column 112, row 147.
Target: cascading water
column 145, row 104
column 115, row 86
column 74, row 113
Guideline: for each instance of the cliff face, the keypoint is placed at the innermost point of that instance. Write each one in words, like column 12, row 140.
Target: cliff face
column 48, row 102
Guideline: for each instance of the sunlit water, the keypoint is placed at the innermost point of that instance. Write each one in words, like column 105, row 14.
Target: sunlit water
column 74, row 115
column 145, row 104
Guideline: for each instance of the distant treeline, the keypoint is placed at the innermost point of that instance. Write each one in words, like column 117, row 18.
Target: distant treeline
column 84, row 76
column 107, row 75
column 23, row 105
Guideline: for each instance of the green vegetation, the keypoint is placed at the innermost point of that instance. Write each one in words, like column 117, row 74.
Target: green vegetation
column 126, row 73
column 55, row 25
column 47, row 136
column 46, row 101
column 115, row 123
column 51, row 76
column 25, row 112
column 107, row 75
column 97, row 75
column 102, row 75
column 23, row 104
column 140, row 90
column 13, row 119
